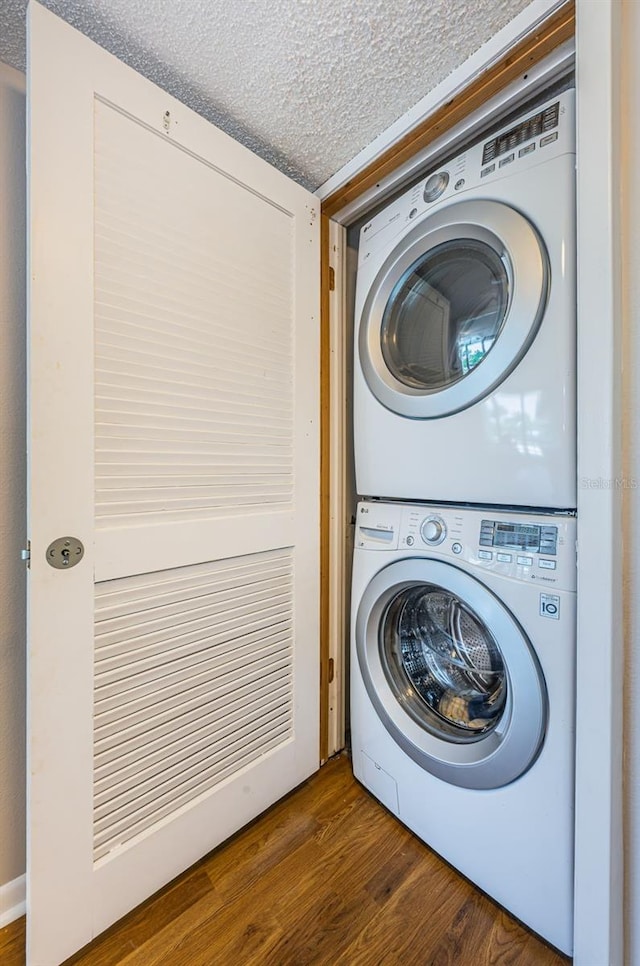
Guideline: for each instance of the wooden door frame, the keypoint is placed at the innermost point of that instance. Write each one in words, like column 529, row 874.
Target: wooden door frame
column 597, row 30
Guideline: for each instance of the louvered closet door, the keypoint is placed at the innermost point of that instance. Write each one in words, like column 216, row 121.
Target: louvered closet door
column 173, row 431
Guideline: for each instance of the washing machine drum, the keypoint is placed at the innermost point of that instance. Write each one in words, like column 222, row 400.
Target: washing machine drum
column 453, row 309
column 451, row 673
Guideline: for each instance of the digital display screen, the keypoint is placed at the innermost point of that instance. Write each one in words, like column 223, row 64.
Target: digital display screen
column 544, row 121
column 515, row 537
column 525, row 537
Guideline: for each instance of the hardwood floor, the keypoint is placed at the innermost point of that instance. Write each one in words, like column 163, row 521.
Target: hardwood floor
column 327, row 876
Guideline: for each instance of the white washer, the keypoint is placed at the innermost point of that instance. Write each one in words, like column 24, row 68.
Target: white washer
column 464, row 371
column 462, row 693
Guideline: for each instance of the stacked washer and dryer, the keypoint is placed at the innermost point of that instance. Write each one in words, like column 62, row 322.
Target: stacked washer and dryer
column 464, row 576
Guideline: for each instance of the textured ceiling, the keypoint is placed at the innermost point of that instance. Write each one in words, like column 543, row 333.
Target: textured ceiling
column 304, row 83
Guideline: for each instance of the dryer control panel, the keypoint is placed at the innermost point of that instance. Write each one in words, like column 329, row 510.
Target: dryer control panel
column 530, row 547
column 541, row 134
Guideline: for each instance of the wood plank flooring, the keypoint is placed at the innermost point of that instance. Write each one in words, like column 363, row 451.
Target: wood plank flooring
column 326, row 876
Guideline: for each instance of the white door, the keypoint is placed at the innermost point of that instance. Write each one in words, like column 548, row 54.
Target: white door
column 174, row 320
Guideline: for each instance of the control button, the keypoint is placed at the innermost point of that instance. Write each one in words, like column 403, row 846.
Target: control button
column 529, row 148
column 459, row 184
column 504, row 557
column 509, row 158
column 547, row 564
column 485, row 555
column 410, row 541
column 456, row 547
column 548, row 138
column 488, row 170
column 525, row 561
column 433, row 530
column 413, row 213
column 435, row 185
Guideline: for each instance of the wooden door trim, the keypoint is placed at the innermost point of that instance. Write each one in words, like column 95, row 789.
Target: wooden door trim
column 325, row 484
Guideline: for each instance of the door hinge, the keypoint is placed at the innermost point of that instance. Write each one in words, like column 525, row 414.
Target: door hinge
column 331, row 670
column 332, row 279
column 25, row 554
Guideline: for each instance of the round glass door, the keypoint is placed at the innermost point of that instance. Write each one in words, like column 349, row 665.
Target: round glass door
column 443, row 663
column 444, row 315
column 453, row 309
column 450, row 673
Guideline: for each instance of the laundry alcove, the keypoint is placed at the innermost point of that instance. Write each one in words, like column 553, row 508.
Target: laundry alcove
column 298, row 219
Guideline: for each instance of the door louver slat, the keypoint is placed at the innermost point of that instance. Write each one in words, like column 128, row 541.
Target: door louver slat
column 143, row 702
column 182, row 793
column 187, row 747
column 109, row 755
column 189, row 346
column 156, row 622
column 199, row 594
column 193, row 680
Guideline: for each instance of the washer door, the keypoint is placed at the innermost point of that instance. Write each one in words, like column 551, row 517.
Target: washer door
column 451, row 673
column 453, row 309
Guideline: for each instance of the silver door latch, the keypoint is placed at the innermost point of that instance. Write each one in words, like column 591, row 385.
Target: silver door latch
column 65, row 552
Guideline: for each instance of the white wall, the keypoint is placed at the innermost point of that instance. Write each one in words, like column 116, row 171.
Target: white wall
column 631, row 366
column 12, row 479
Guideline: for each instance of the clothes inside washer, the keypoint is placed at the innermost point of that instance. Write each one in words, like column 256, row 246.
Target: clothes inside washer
column 448, row 658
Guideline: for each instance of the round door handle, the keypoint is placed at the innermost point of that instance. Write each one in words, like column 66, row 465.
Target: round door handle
column 65, row 552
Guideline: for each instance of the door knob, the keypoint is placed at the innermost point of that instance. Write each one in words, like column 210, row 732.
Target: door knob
column 65, row 552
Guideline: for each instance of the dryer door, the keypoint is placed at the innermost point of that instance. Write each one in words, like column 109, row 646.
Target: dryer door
column 453, row 309
column 451, row 673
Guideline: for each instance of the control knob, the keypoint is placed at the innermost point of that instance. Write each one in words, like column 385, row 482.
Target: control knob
column 433, row 530
column 435, row 185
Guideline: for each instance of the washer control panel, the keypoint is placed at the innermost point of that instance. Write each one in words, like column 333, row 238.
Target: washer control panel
column 535, row 548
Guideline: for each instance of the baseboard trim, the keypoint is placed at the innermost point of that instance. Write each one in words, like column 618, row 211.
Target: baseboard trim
column 13, row 900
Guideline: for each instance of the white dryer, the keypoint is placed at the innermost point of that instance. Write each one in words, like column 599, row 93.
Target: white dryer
column 462, row 693
column 464, row 370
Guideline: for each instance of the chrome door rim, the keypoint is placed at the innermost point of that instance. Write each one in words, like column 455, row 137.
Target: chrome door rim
column 518, row 245
column 488, row 761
